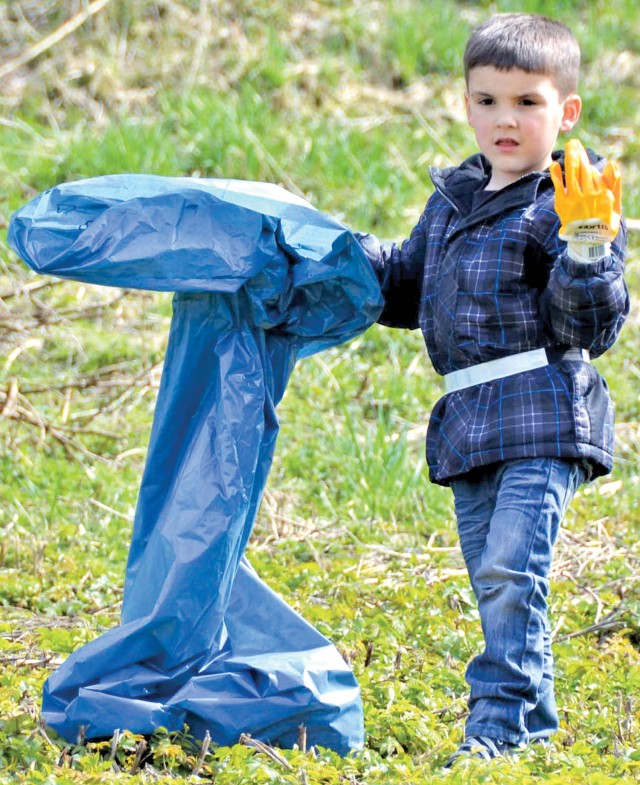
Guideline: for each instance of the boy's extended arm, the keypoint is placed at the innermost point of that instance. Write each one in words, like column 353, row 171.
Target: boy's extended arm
column 399, row 269
column 586, row 300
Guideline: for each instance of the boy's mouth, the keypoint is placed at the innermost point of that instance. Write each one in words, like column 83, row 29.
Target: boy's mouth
column 506, row 143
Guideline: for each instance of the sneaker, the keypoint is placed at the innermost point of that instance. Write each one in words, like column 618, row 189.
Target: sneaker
column 481, row 747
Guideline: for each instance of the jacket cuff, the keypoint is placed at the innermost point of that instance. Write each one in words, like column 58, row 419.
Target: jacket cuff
column 581, row 268
column 372, row 249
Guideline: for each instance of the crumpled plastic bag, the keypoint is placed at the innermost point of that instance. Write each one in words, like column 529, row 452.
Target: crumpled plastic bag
column 262, row 278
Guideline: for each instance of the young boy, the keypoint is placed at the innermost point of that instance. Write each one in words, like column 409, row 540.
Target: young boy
column 513, row 291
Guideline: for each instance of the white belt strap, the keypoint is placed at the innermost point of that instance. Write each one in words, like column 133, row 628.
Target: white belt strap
column 500, row 368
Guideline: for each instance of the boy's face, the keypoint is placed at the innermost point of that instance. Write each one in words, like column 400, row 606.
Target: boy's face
column 516, row 117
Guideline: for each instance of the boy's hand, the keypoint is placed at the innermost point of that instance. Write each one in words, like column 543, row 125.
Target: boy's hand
column 588, row 203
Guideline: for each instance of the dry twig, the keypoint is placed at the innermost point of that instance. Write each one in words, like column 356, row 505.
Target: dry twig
column 260, row 746
column 53, row 38
column 203, row 753
column 140, row 751
column 610, row 623
column 29, row 288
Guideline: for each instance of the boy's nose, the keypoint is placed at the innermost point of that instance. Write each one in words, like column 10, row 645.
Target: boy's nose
column 506, row 119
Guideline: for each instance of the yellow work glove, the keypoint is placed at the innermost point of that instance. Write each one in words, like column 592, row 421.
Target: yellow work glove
column 588, row 203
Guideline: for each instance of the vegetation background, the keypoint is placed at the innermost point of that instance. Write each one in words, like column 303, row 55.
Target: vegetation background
column 347, row 103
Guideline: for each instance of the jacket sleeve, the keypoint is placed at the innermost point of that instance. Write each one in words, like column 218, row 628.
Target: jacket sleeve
column 400, row 271
column 585, row 303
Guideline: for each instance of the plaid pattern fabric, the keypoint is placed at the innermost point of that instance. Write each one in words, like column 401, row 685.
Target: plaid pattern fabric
column 487, row 279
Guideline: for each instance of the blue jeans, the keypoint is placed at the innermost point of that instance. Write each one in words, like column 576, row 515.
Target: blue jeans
column 508, row 520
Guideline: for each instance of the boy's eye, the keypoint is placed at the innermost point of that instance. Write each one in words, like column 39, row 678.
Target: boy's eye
column 485, row 101
column 528, row 102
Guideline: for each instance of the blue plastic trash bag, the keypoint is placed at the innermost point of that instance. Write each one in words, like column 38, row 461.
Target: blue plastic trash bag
column 261, row 279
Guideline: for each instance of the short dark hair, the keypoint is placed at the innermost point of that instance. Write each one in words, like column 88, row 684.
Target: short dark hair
column 530, row 42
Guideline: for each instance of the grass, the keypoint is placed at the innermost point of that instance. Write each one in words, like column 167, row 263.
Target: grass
column 347, row 103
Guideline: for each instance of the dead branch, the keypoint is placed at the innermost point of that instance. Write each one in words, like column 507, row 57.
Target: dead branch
column 206, row 743
column 106, row 508
column 20, row 661
column 53, row 38
column 97, row 378
column 26, row 414
column 44, row 315
column 140, row 751
column 41, row 731
column 260, row 746
column 610, row 623
column 88, row 310
column 29, row 287
column 117, row 401
column 10, row 398
column 114, row 744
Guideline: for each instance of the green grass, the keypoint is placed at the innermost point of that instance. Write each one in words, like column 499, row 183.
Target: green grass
column 348, row 103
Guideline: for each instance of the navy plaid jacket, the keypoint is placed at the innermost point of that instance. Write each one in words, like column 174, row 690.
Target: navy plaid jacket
column 485, row 275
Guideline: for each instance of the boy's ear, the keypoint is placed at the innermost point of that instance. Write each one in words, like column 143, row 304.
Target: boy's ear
column 466, row 106
column 570, row 111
